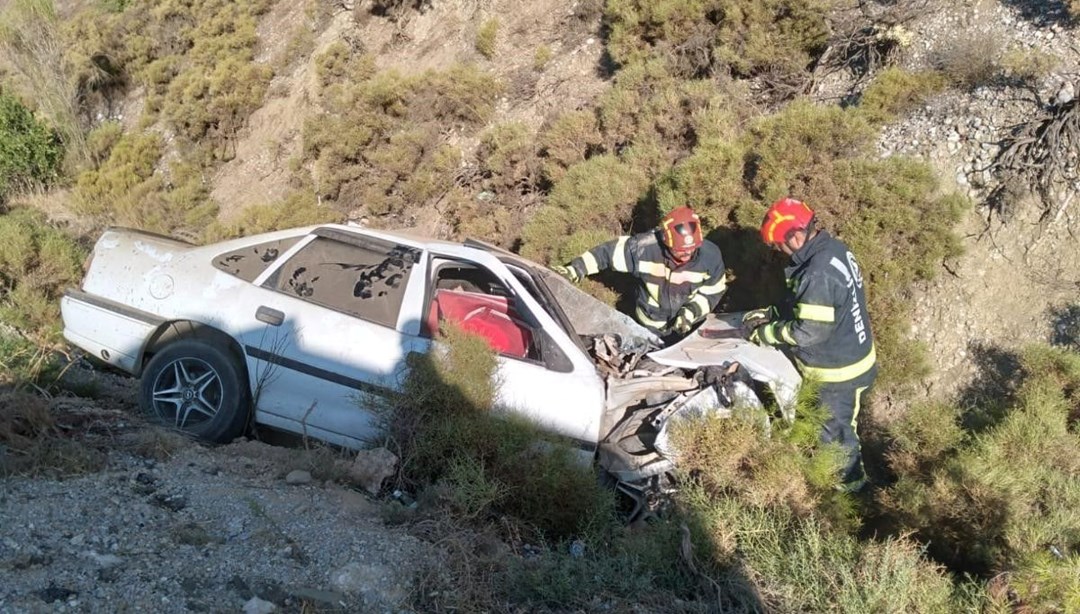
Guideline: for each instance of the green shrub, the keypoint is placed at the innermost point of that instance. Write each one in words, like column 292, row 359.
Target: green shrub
column 196, row 59
column 567, row 140
column 593, row 203
column 130, row 189
column 541, row 57
column 772, row 561
column 696, row 38
column 381, row 142
column 449, row 432
column 37, row 263
column 297, row 209
column 30, row 152
column 1001, row 501
column 32, row 42
column 826, row 157
column 896, row 91
column 487, row 37
column 1074, row 9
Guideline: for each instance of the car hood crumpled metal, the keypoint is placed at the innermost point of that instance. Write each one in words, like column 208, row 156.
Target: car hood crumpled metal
column 717, row 341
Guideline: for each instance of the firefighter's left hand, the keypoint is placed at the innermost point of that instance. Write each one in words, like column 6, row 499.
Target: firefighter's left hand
column 754, row 334
column 682, row 324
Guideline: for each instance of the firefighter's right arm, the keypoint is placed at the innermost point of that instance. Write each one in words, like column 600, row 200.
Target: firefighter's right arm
column 814, row 315
column 615, row 255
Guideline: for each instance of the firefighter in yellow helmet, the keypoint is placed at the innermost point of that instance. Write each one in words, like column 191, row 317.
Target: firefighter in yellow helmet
column 681, row 273
column 823, row 323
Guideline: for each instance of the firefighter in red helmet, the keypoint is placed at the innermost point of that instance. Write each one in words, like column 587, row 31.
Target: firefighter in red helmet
column 823, row 323
column 681, row 274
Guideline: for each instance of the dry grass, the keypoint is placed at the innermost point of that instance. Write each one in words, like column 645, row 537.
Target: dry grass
column 31, row 442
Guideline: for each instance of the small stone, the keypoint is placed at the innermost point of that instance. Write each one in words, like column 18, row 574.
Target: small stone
column 258, row 606
column 298, row 476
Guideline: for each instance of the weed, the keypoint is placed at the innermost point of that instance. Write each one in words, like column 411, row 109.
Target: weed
column 969, row 61
column 31, row 443
column 159, row 444
column 1028, row 65
column 447, row 432
column 487, row 37
column 541, row 58
column 896, row 91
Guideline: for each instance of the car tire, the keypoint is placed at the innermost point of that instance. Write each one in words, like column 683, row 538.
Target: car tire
column 198, row 389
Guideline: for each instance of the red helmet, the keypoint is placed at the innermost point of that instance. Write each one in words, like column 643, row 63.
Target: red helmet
column 680, row 230
column 783, row 218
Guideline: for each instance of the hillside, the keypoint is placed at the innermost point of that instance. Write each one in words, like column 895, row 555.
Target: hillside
column 936, row 137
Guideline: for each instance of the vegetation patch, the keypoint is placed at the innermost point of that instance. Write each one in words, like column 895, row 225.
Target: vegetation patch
column 490, row 463
column 994, row 493
column 37, row 263
column 132, row 188
column 32, row 443
column 773, row 39
column 381, row 143
column 30, row 152
column 895, row 92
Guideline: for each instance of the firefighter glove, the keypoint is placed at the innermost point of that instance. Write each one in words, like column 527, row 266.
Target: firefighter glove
column 757, row 317
column 683, row 322
column 568, row 272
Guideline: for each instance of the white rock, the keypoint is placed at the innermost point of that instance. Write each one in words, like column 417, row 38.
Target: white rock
column 258, row 606
column 298, row 476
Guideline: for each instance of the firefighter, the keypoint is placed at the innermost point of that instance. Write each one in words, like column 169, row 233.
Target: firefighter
column 681, row 274
column 823, row 324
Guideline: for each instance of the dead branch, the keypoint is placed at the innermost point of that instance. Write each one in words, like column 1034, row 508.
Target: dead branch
column 1041, row 155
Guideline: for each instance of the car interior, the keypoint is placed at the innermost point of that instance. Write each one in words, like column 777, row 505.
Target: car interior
column 479, row 303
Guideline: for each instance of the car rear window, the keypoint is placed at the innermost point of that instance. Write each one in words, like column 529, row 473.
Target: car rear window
column 363, row 278
column 248, row 262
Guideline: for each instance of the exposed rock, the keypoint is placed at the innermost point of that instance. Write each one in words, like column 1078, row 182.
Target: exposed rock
column 371, row 468
column 298, row 476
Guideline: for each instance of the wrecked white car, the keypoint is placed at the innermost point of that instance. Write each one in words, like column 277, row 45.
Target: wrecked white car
column 286, row 328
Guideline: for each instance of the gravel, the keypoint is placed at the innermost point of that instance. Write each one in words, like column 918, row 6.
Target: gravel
column 209, row 530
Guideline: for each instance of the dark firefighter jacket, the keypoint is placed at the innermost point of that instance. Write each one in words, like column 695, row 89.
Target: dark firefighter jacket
column 825, row 319
column 666, row 291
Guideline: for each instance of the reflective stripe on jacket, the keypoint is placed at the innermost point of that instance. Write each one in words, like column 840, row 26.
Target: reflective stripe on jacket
column 666, row 291
column 825, row 320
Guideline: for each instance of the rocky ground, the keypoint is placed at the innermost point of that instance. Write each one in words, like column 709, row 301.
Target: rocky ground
column 179, row 527
column 173, row 526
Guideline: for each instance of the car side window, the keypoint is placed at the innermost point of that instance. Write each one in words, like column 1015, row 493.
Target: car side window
column 248, row 262
column 365, row 277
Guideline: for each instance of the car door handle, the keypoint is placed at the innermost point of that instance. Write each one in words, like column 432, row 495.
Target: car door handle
column 273, row 317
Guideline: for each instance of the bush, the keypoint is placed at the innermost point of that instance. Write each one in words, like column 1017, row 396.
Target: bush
column 896, row 91
column 745, row 38
column 37, row 263
column 491, row 462
column 1001, row 502
column 825, row 156
column 381, row 143
column 297, row 209
column 567, row 140
column 30, row 152
column 968, row 61
column 1028, row 65
column 592, row 204
column 487, row 38
column 129, row 189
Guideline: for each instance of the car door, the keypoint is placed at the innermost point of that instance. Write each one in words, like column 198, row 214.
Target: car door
column 539, row 374
column 328, row 344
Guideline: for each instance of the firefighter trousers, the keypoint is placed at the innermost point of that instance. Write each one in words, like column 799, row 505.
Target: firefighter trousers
column 844, row 400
